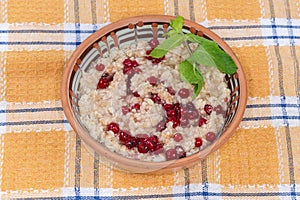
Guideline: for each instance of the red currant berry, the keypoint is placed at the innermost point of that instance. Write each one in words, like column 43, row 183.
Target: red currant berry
column 142, row 147
column 210, row 136
column 167, row 106
column 125, row 110
column 201, row 121
column 150, row 145
column 148, row 52
column 103, row 83
column 153, row 138
column 100, row 67
column 198, row 142
column 190, row 106
column 131, row 143
column 155, row 98
column 184, row 122
column 171, row 154
column 134, row 63
column 153, row 43
column 127, row 70
column 136, row 106
column 208, row 109
column 177, row 137
column 161, row 126
column 184, row 93
column 193, row 115
column 114, row 127
column 124, row 136
column 175, row 121
column 184, row 112
column 127, row 63
column 152, row 80
column 136, row 94
column 171, row 113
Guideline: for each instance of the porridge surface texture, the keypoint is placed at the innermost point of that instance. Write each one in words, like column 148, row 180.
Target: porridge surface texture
column 139, row 107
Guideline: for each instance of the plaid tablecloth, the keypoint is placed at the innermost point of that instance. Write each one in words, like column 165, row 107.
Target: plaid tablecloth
column 41, row 156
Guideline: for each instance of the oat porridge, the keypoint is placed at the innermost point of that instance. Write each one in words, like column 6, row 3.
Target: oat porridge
column 139, row 107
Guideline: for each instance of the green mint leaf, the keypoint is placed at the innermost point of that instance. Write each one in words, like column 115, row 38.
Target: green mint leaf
column 201, row 57
column 192, row 75
column 209, row 53
column 168, row 44
column 177, row 24
column 171, row 32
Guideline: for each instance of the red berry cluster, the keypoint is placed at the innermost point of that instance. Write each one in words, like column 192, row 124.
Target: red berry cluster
column 172, row 115
column 129, row 65
column 143, row 143
column 178, row 114
column 188, row 112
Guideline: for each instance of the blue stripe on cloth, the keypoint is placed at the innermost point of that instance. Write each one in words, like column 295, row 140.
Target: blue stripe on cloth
column 50, row 31
column 254, row 27
column 33, row 122
column 272, row 105
column 261, row 38
column 274, row 31
column 78, row 41
column 192, row 194
column 77, row 28
column 271, row 118
column 39, row 43
column 32, row 110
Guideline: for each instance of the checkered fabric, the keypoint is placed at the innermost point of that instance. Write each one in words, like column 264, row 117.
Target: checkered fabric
column 41, row 156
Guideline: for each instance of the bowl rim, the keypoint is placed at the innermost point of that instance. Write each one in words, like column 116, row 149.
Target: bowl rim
column 139, row 166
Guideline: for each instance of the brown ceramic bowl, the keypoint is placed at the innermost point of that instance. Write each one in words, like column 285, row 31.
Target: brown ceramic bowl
column 127, row 31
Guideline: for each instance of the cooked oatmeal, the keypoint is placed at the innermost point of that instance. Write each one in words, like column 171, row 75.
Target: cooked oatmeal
column 139, row 107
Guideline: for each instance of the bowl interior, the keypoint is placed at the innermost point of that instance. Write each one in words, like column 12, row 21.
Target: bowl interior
column 123, row 33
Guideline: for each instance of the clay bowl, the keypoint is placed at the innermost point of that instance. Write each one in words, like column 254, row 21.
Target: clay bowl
column 126, row 31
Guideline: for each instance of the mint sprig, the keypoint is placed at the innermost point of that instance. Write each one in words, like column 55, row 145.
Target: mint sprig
column 208, row 53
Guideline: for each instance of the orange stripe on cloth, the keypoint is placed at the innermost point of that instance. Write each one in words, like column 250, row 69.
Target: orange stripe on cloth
column 228, row 9
column 122, row 9
column 250, row 157
column 33, row 75
column 33, row 160
column 36, row 11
